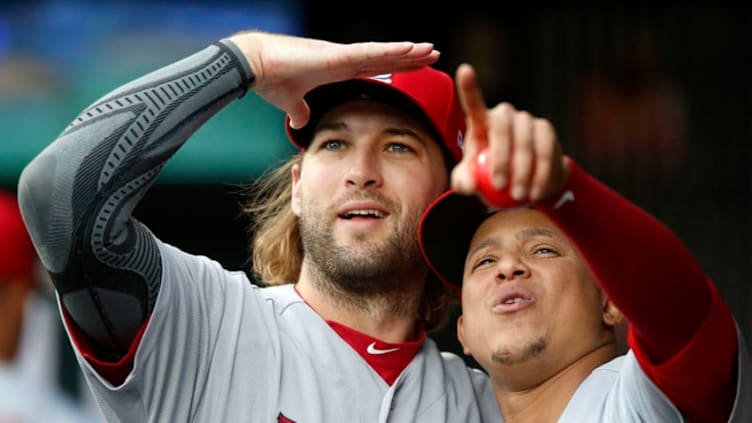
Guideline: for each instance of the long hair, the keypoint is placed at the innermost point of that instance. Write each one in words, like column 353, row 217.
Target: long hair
column 277, row 250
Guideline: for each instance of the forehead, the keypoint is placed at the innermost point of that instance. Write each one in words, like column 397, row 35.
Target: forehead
column 516, row 221
column 375, row 113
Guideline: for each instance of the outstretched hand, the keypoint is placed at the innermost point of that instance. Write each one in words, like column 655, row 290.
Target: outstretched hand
column 287, row 67
column 523, row 150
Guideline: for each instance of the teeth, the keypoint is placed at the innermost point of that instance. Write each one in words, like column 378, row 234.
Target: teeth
column 367, row 213
column 513, row 300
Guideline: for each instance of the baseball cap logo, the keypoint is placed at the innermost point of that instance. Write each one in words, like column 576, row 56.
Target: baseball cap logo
column 384, row 77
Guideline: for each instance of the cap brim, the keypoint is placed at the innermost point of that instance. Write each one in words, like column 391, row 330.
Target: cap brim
column 322, row 99
column 446, row 229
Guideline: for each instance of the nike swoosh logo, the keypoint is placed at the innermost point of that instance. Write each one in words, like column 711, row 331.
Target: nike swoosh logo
column 568, row 196
column 373, row 350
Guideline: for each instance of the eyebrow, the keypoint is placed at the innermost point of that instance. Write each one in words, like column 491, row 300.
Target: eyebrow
column 531, row 232
column 398, row 131
column 525, row 233
column 488, row 242
column 332, row 126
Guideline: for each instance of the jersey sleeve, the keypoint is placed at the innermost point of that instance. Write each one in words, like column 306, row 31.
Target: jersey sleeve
column 682, row 332
column 77, row 196
column 210, row 347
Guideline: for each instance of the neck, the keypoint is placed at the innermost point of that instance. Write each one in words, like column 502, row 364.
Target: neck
column 545, row 402
column 390, row 316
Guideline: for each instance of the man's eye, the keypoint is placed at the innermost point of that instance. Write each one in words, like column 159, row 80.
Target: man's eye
column 398, row 148
column 484, row 262
column 544, row 251
column 332, row 145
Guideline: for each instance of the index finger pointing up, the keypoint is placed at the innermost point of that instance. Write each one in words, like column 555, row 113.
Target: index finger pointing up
column 471, row 99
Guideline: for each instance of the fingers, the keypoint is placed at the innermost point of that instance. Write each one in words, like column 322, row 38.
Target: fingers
column 500, row 139
column 374, row 58
column 548, row 159
column 523, row 150
column 382, row 67
column 407, row 50
column 470, row 96
column 357, row 60
column 476, row 134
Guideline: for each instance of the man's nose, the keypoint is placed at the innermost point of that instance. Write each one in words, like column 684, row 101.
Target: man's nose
column 511, row 267
column 364, row 170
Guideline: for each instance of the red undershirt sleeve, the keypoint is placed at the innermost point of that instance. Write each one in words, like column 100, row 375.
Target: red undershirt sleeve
column 113, row 372
column 681, row 331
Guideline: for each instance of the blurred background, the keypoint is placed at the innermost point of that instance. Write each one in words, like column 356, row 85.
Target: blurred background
column 655, row 102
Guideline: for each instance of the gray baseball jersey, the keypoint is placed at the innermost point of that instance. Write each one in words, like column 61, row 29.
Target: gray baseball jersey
column 619, row 391
column 218, row 348
column 221, row 349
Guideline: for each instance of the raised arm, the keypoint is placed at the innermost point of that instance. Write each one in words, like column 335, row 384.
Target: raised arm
column 682, row 332
column 77, row 196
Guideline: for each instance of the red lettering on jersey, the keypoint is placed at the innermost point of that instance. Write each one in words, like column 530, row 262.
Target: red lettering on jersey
column 282, row 419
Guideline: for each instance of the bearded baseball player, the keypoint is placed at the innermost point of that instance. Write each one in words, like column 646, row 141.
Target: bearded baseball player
column 551, row 264
column 338, row 331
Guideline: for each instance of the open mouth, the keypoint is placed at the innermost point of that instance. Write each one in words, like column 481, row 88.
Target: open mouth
column 368, row 213
column 513, row 299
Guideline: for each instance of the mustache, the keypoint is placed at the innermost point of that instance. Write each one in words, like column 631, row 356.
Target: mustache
column 366, row 195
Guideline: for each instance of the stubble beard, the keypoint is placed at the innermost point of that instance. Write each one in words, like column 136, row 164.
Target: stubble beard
column 367, row 270
column 532, row 349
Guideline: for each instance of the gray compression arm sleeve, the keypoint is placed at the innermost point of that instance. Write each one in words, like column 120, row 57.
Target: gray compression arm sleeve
column 77, row 195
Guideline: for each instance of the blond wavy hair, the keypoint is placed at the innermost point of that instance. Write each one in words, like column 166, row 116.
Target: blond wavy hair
column 277, row 250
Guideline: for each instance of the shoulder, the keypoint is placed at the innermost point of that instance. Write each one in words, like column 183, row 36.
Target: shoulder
column 742, row 410
column 183, row 265
column 281, row 294
column 457, row 369
column 453, row 360
column 619, row 388
column 467, row 385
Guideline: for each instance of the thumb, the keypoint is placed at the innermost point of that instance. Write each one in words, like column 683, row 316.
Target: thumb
column 299, row 114
column 463, row 177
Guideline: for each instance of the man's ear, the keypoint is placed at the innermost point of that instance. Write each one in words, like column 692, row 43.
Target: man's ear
column 612, row 316
column 295, row 198
column 461, row 334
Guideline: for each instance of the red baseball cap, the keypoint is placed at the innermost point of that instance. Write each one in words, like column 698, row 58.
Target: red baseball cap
column 17, row 254
column 446, row 229
column 428, row 94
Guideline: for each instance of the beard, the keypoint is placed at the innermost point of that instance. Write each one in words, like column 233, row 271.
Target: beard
column 522, row 354
column 369, row 268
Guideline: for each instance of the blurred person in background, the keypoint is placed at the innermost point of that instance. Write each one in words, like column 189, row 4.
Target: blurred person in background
column 24, row 396
column 632, row 123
